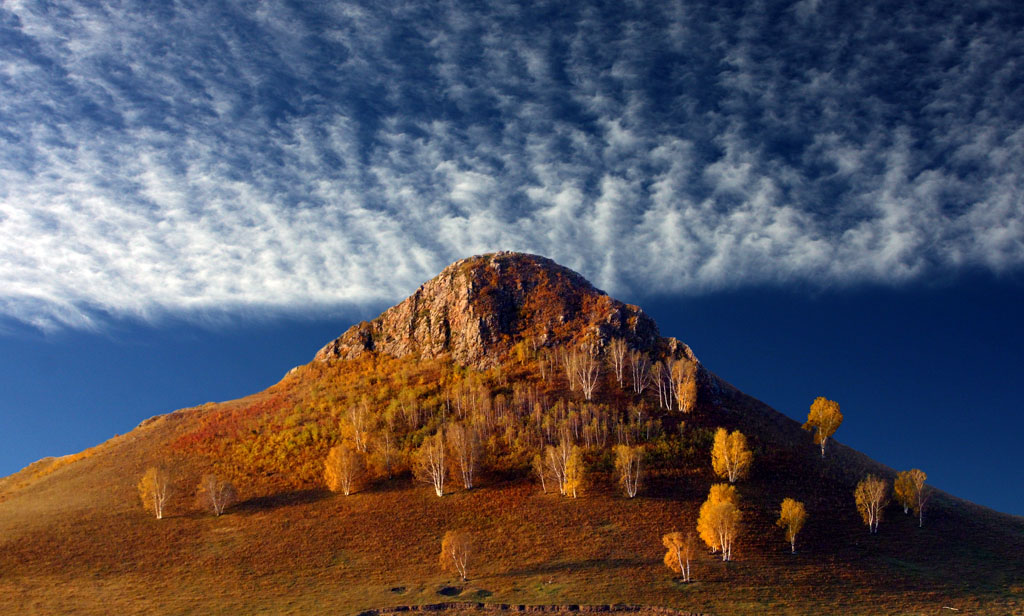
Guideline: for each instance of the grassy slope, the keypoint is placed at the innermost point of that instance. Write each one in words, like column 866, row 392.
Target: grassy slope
column 75, row 539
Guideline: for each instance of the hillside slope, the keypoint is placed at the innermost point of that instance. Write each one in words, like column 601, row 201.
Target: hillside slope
column 483, row 344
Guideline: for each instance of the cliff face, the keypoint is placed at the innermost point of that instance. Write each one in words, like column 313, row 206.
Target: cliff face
column 479, row 308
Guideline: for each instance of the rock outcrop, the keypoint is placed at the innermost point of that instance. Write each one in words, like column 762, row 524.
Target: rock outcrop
column 477, row 309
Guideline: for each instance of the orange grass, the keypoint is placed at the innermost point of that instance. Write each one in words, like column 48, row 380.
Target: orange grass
column 75, row 539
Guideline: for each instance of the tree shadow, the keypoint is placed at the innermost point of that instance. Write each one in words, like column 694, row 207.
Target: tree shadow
column 281, row 499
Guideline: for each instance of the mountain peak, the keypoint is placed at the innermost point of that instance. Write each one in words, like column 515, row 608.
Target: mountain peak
column 477, row 309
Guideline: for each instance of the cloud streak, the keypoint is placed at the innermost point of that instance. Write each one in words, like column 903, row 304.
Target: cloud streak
column 173, row 159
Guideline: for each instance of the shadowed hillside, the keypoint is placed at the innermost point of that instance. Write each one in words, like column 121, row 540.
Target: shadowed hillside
column 495, row 344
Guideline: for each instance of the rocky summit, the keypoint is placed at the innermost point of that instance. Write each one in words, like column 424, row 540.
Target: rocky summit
column 477, row 309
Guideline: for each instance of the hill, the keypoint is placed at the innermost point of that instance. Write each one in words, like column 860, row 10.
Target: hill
column 491, row 343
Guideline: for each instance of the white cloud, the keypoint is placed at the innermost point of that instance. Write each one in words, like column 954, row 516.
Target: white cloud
column 178, row 161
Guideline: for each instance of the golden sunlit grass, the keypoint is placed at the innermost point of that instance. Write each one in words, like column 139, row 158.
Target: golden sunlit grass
column 310, row 550
column 74, row 537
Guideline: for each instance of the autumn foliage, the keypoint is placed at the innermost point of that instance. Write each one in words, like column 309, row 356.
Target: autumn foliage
column 345, row 468
column 718, row 522
column 730, row 456
column 871, row 496
column 681, row 549
column 456, row 548
column 911, row 492
column 155, row 490
column 823, row 419
column 792, row 516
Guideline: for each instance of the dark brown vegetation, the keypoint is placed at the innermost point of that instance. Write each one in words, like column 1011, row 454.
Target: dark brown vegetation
column 291, row 545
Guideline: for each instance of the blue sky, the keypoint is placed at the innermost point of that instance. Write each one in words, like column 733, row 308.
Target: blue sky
column 184, row 175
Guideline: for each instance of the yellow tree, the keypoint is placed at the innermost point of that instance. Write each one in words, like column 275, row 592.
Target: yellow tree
column 429, row 465
column 628, row 465
column 871, row 495
column 718, row 522
column 683, row 383
column 575, row 473
column 456, row 548
column 911, row 492
column 730, row 456
column 824, row 419
column 680, row 552
column 155, row 490
column 792, row 516
column 344, row 468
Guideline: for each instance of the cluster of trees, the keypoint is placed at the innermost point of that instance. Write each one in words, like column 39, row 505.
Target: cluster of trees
column 674, row 379
column 872, row 495
column 719, row 523
column 447, row 425
column 157, row 486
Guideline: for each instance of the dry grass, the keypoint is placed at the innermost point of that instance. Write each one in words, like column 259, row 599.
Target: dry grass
column 74, row 538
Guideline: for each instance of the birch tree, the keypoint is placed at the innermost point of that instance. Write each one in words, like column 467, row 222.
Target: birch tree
column 718, row 522
column 456, row 548
column 569, row 358
column 155, row 490
column 216, row 493
column 464, row 449
column 824, row 419
column 588, row 371
column 358, row 420
column 541, row 470
column 683, row 375
column 911, row 492
column 628, row 461
column 730, row 456
column 344, row 468
column 617, row 352
column 871, row 496
column 792, row 516
column 639, row 371
column 575, row 473
column 681, row 549
column 429, row 465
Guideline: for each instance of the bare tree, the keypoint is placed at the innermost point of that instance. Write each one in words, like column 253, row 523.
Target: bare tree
column 639, row 370
column 385, row 443
column 541, row 470
column 617, row 352
column 659, row 376
column 871, row 495
column 569, row 358
column 628, row 465
column 588, row 371
column 456, row 548
column 359, row 418
column 216, row 493
column 429, row 465
column 564, row 460
column 464, row 446
column 155, row 490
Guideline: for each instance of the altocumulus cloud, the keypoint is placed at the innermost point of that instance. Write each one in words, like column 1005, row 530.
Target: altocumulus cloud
column 179, row 158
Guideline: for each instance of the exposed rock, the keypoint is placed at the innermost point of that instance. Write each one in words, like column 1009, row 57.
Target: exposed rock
column 477, row 309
